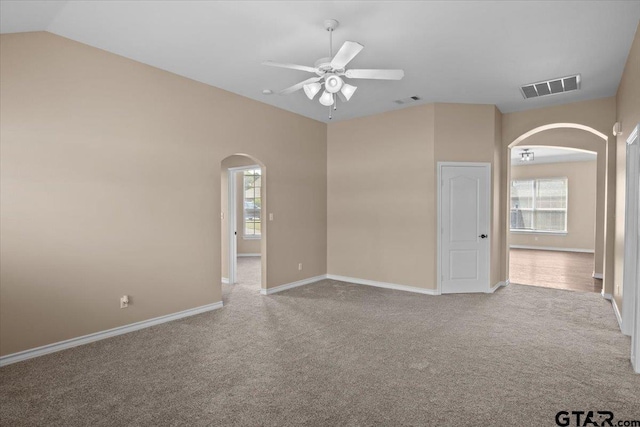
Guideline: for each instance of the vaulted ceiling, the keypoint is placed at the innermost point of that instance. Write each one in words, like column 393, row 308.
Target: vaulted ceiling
column 464, row 51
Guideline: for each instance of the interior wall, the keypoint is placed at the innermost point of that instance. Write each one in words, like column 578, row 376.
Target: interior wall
column 468, row 133
column 381, row 181
column 110, row 184
column 382, row 192
column 628, row 114
column 581, row 206
column 598, row 114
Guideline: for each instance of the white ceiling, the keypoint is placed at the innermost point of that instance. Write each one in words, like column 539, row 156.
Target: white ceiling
column 544, row 155
column 463, row 52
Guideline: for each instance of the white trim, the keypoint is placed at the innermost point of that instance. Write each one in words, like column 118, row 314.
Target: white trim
column 551, row 248
column 247, row 255
column 606, row 296
column 542, row 232
column 243, row 168
column 632, row 210
column 631, row 274
column 225, row 280
column 97, row 336
column 439, row 184
column 617, row 312
column 497, row 285
column 269, row 291
column 597, row 275
column 384, row 285
column 232, row 220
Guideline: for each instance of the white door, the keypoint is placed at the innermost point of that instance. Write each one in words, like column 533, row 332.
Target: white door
column 465, row 225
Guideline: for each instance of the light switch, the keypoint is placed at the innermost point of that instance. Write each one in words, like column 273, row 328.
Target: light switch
column 270, row 217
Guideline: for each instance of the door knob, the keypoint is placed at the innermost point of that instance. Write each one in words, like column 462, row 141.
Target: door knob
column 483, row 236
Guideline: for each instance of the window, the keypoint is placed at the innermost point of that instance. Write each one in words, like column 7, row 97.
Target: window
column 539, row 205
column 252, row 203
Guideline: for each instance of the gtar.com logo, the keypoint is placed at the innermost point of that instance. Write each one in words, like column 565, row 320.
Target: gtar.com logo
column 591, row 418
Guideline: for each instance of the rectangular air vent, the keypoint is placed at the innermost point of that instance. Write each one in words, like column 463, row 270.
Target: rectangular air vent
column 407, row 100
column 551, row 87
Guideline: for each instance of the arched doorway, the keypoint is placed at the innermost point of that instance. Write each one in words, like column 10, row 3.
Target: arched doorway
column 243, row 225
column 567, row 136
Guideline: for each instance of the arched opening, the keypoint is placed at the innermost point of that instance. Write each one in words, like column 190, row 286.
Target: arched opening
column 243, row 223
column 558, row 201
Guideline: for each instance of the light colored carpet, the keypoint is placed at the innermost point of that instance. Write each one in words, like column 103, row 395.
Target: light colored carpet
column 334, row 353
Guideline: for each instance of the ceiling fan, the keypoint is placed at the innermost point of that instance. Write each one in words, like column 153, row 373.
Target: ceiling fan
column 330, row 73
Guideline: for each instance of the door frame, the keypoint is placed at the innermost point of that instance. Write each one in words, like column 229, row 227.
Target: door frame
column 439, row 230
column 232, row 218
column 631, row 272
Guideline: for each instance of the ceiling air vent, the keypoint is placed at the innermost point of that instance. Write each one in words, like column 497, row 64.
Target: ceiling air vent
column 407, row 100
column 551, row 87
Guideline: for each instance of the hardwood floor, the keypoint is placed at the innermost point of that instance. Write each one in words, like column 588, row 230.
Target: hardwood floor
column 551, row 269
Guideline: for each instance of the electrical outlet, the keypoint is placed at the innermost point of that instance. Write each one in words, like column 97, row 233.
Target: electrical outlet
column 300, row 267
column 124, row 301
column 271, row 217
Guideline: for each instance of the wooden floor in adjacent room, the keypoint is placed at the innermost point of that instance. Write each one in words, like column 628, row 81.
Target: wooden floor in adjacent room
column 553, row 269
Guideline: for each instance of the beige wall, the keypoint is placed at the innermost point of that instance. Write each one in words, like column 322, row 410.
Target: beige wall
column 628, row 114
column 598, row 114
column 581, row 209
column 469, row 133
column 382, row 188
column 110, row 183
column 381, row 181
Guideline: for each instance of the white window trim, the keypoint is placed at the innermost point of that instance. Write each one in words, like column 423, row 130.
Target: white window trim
column 534, row 209
column 251, row 236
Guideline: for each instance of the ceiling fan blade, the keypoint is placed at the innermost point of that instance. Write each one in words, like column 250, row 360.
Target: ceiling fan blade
column 375, row 74
column 290, row 66
column 298, row 86
column 347, row 52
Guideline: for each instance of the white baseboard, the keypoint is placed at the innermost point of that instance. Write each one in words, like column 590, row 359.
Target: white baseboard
column 86, row 339
column 617, row 312
column 605, row 295
column 243, row 255
column 497, row 285
column 551, row 248
column 225, row 280
column 384, row 285
column 292, row 285
column 597, row 275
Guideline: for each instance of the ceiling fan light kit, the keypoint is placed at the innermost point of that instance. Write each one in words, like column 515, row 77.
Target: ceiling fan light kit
column 331, row 72
column 312, row 89
column 327, row 99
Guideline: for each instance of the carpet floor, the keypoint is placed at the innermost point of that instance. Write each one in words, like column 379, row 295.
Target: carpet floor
column 335, row 353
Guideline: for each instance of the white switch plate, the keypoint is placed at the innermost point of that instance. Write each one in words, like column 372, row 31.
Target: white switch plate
column 300, row 266
column 124, row 301
column 270, row 217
